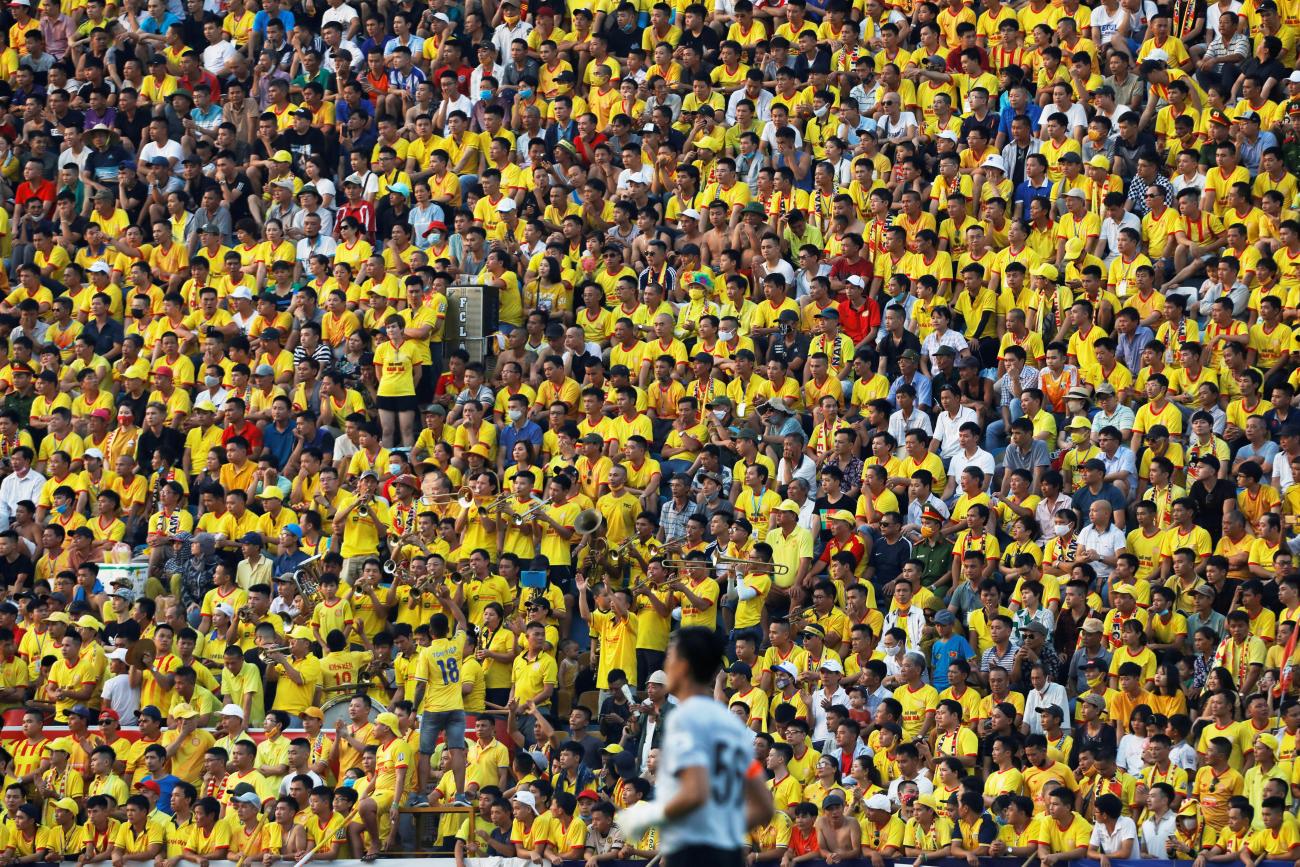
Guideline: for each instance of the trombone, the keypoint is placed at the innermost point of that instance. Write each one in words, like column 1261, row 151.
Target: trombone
column 265, row 652
column 754, row 566
column 675, row 543
column 685, row 564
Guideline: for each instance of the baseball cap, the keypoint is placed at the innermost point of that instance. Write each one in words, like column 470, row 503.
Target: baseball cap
column 233, row 710
column 527, row 799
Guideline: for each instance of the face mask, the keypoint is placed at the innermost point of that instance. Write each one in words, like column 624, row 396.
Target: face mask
column 822, row 112
column 485, row 94
column 782, row 682
column 1079, row 437
column 525, row 93
column 349, row 783
column 895, row 650
column 62, row 510
column 138, row 314
column 719, row 414
column 726, row 335
column 1062, row 529
column 696, row 294
column 435, row 237
column 512, row 19
column 516, row 414
column 212, row 381
column 394, row 469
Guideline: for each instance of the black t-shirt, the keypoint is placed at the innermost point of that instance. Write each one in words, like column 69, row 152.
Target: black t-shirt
column 11, row 569
column 1209, row 505
column 132, row 128
column 239, row 204
column 707, row 42
column 891, row 352
column 302, row 146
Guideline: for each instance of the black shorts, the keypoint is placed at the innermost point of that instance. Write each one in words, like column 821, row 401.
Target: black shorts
column 404, row 403
column 695, row 856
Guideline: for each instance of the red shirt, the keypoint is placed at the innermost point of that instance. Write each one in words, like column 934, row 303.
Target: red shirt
column 803, row 844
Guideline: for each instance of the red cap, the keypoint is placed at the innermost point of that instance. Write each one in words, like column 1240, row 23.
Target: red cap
column 100, row 413
column 164, row 370
column 545, row 10
column 111, row 714
column 150, row 786
column 588, row 793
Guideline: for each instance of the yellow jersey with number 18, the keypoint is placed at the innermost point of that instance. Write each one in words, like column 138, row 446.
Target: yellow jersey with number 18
column 439, row 668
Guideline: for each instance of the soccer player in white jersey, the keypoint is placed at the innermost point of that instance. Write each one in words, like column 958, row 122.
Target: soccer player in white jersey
column 709, row 771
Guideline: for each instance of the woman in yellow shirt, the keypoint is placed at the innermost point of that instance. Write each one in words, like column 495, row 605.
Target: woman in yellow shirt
column 398, row 370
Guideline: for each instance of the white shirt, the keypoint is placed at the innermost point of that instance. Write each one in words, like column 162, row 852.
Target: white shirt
column 1180, row 182
column 818, row 713
column 476, row 77
column 169, row 149
column 946, row 427
column 625, row 178
column 119, row 696
column 13, row 490
column 960, row 461
column 323, row 244
column 504, row 35
column 1128, row 754
column 913, row 624
column 215, row 57
column 1110, row 233
column 1156, row 834
column 899, row 425
column 1053, row 694
column 923, row 786
column 1109, row 841
column 1105, row 544
column 342, row 13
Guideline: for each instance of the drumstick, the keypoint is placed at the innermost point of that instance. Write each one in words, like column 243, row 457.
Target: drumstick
column 314, row 849
column 261, row 823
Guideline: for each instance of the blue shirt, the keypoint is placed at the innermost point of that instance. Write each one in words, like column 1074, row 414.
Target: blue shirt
column 261, row 18
column 1008, row 114
column 278, row 443
column 510, row 435
column 944, row 653
column 1027, row 192
column 165, row 786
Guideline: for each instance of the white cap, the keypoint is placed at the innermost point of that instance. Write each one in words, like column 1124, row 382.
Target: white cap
column 856, row 280
column 1076, row 193
column 1294, row 77
column 878, row 802
column 1158, row 54
column 233, row 710
column 691, row 213
column 831, row 664
column 994, row 162
column 100, row 267
column 242, row 292
column 527, row 799
column 442, row 16
column 223, row 608
column 949, row 135
column 118, row 655
column 93, row 453
column 786, row 668
column 506, row 205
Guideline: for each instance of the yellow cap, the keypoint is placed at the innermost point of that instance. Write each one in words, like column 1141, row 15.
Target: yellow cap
column 481, row 450
column 184, row 710
column 88, row 622
column 1267, row 740
column 927, row 800
column 842, row 515
column 390, row 720
column 1126, row 589
column 271, row 493
column 303, row 633
column 1099, row 162
column 58, row 617
column 66, row 804
column 1073, row 249
column 62, row 744
column 1046, row 270
column 788, row 506
column 139, row 370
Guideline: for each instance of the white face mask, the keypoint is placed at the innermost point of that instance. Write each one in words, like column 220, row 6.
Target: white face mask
column 211, row 381
column 894, row 650
column 394, row 469
column 1062, row 529
column 726, row 335
column 822, row 112
column 516, row 414
column 719, row 414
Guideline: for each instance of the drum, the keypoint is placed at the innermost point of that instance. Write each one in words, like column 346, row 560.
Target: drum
column 336, row 709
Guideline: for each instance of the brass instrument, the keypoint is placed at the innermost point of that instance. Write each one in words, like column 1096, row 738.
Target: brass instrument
column 307, row 579
column 464, row 496
column 673, row 544
column 588, row 521
column 531, row 512
column 499, row 502
column 754, row 566
column 363, row 509
column 245, row 612
column 685, row 564
column 264, row 653
column 390, row 568
column 618, row 556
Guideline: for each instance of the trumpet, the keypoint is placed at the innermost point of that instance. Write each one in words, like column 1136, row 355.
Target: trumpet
column 531, row 512
column 265, row 652
column 390, row 568
column 464, row 496
column 498, row 502
column 673, row 544
column 618, row 555
column 245, row 612
column 754, row 566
